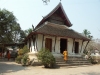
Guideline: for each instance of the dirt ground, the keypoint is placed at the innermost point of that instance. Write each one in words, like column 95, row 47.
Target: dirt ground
column 12, row 68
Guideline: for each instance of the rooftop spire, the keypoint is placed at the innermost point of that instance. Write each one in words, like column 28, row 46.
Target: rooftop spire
column 33, row 27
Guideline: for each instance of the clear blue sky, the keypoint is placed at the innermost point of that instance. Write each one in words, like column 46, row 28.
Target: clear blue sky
column 83, row 14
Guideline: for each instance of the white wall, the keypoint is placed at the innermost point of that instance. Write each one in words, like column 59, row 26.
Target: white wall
column 28, row 44
column 32, row 46
column 37, row 42
column 57, row 46
column 39, row 39
column 70, row 45
column 53, row 42
column 80, row 44
column 84, row 45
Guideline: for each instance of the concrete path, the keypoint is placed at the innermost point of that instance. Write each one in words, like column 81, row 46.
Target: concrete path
column 12, row 68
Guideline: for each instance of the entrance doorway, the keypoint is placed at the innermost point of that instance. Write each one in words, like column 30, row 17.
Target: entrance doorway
column 48, row 44
column 76, row 47
column 63, row 45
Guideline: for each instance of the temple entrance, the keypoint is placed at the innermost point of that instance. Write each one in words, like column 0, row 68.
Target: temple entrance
column 48, row 44
column 63, row 45
column 76, row 47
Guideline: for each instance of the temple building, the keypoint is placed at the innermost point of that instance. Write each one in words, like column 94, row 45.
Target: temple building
column 53, row 32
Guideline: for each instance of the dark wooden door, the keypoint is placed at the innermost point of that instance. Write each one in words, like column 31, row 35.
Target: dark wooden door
column 63, row 45
column 48, row 44
column 76, row 47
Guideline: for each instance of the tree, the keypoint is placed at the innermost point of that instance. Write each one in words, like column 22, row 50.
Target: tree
column 22, row 36
column 16, row 32
column 87, row 33
column 46, row 1
column 9, row 28
column 27, row 31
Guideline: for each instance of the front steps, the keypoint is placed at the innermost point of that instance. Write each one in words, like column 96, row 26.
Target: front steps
column 72, row 61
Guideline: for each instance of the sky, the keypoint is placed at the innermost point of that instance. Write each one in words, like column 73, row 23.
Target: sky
column 83, row 14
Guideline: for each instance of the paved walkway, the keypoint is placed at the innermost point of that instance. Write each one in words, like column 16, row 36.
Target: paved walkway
column 12, row 68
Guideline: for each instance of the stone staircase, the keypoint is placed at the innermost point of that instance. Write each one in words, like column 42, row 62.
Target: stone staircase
column 72, row 61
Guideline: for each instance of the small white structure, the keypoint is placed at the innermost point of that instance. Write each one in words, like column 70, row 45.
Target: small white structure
column 53, row 32
column 95, row 55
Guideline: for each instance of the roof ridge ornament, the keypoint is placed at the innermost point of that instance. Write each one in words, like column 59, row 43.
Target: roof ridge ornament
column 42, row 16
column 60, row 9
column 46, row 22
column 33, row 27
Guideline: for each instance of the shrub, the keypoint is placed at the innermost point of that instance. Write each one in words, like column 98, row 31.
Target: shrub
column 21, row 54
column 25, row 49
column 18, row 59
column 25, row 60
column 46, row 57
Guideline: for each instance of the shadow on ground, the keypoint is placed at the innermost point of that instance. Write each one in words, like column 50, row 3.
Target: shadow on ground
column 89, row 73
column 9, row 66
column 75, row 66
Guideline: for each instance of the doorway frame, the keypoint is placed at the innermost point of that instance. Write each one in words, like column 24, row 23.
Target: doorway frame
column 48, row 44
column 62, row 46
column 76, row 47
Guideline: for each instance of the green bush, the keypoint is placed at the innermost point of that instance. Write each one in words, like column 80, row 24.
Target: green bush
column 25, row 60
column 21, row 54
column 25, row 49
column 46, row 57
column 18, row 59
